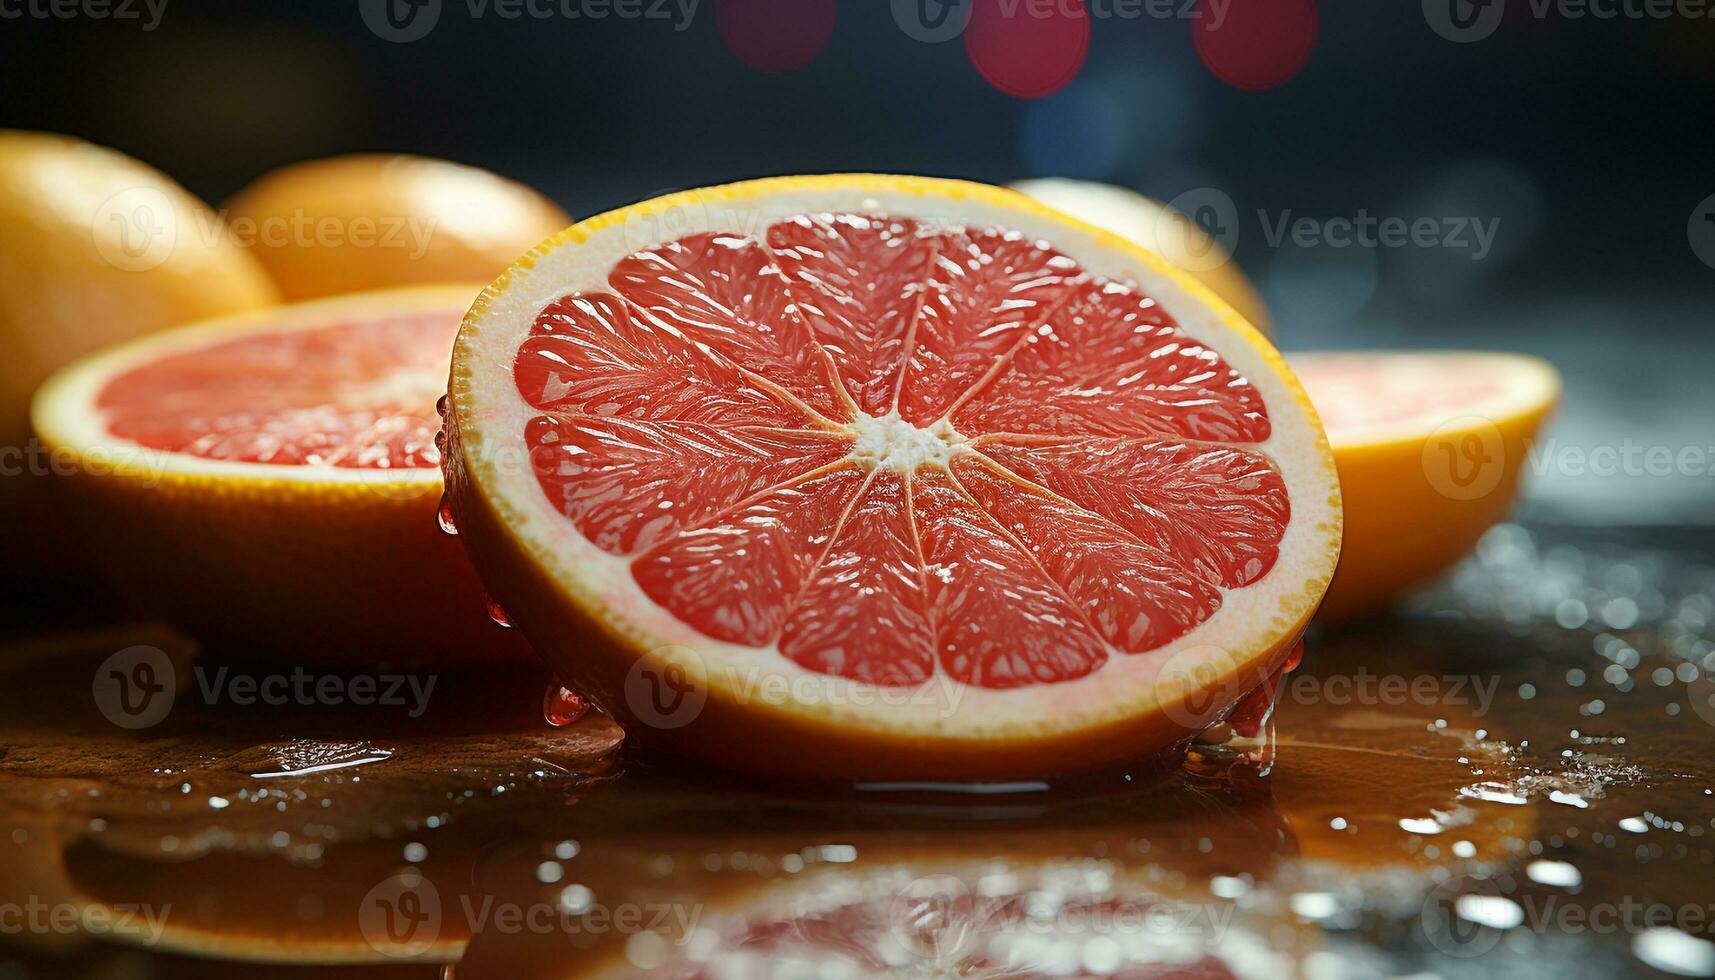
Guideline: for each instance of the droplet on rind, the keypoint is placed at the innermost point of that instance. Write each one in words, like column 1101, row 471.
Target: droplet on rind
column 562, row 706
column 444, row 515
column 498, row 615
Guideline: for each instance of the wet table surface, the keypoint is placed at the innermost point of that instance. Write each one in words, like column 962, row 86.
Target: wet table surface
column 1511, row 777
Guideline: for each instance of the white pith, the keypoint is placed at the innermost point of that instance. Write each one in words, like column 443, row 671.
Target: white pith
column 492, row 416
column 890, row 442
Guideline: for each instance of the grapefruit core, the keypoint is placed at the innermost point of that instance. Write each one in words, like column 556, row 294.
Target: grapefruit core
column 855, row 476
column 270, row 481
column 1430, row 446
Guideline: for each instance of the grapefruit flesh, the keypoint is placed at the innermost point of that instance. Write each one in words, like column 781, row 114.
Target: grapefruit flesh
column 1430, row 447
column 270, row 482
column 357, row 394
column 863, row 447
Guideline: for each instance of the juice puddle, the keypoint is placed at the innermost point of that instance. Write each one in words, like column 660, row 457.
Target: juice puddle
column 1441, row 790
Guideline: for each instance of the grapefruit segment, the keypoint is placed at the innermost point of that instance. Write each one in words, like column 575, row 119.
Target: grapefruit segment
column 864, row 614
column 989, row 288
column 736, row 578
column 1221, row 510
column 725, row 294
column 999, row 622
column 628, row 485
column 861, row 282
column 590, row 356
column 1137, row 597
column 1111, row 362
column 1035, row 473
column 270, row 481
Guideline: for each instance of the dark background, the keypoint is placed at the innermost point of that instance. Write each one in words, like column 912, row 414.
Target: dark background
column 1590, row 140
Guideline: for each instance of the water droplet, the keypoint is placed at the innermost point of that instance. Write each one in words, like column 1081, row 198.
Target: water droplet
column 441, row 406
column 562, row 706
column 498, row 614
column 1557, row 873
column 1672, row 951
column 444, row 514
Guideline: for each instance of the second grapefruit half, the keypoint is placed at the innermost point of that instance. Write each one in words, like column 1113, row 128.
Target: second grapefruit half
column 1430, row 446
column 270, row 481
column 874, row 476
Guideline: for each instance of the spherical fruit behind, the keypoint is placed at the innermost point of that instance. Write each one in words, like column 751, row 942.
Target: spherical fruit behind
column 1159, row 228
column 269, row 482
column 353, row 223
column 95, row 248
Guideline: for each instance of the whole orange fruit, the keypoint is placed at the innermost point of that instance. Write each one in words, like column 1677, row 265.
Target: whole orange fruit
column 353, row 223
column 95, row 248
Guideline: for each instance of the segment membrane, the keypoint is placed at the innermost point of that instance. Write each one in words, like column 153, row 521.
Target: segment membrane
column 736, row 578
column 1219, row 509
column 864, row 614
column 588, row 356
column 627, row 485
column 1111, row 362
column 988, row 288
column 860, row 283
column 999, row 622
column 1137, row 597
column 724, row 293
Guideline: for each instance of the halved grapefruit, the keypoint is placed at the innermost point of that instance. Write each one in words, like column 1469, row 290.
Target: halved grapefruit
column 270, row 481
column 1430, row 447
column 882, row 476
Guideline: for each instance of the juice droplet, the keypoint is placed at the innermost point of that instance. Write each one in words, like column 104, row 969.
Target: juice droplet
column 441, row 406
column 445, row 516
column 562, row 706
column 498, row 614
column 1255, row 710
column 1265, row 752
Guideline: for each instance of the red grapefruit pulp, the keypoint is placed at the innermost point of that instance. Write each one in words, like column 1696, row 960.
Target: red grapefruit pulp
column 869, row 447
column 353, row 394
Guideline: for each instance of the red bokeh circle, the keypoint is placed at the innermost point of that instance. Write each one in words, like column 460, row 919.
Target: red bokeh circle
column 1257, row 45
column 1028, row 50
column 775, row 35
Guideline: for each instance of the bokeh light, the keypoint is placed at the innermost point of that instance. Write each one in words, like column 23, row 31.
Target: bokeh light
column 1028, row 50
